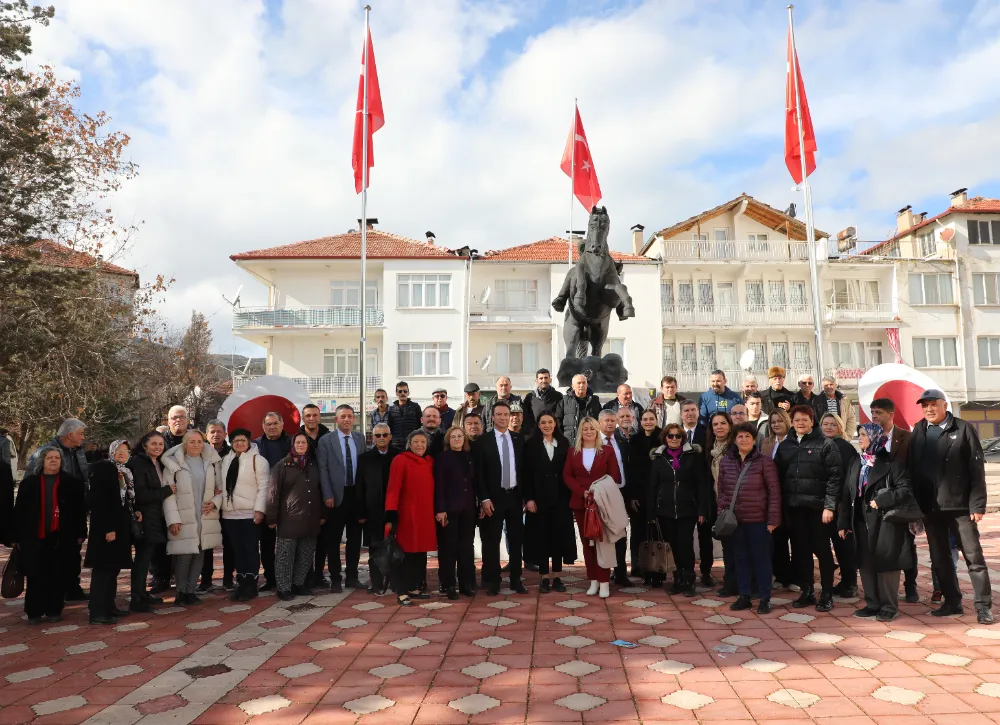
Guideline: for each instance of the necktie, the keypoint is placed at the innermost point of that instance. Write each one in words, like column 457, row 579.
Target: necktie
column 348, row 461
column 691, row 437
column 505, row 483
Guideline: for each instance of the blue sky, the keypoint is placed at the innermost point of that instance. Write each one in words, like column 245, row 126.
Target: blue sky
column 240, row 114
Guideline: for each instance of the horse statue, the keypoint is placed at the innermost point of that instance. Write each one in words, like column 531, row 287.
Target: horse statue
column 592, row 288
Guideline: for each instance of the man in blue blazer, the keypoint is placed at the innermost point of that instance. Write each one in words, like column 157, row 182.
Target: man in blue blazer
column 338, row 452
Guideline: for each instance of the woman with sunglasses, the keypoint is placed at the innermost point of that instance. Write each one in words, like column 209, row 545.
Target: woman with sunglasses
column 678, row 498
column 373, row 480
column 719, row 438
column 641, row 446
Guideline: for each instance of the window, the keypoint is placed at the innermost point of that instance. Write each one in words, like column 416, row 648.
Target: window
column 423, row 358
column 666, row 295
column 862, row 355
column 800, row 356
column 728, row 356
column 348, row 294
column 893, row 250
column 985, row 289
column 935, row 352
column 760, row 357
column 989, row 352
column 930, row 289
column 689, row 358
column 517, row 357
column 776, row 294
column 842, row 356
column 707, row 361
column 727, row 302
column 700, row 237
column 705, row 297
column 926, row 244
column 758, row 242
column 423, row 290
column 797, row 294
column 869, row 354
column 779, row 354
column 854, row 293
column 685, row 295
column 984, row 232
column 722, row 235
column 669, row 359
column 755, row 294
column 617, row 346
column 344, row 361
column 516, row 294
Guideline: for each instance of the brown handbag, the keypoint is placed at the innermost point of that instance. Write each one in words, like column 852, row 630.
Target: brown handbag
column 656, row 555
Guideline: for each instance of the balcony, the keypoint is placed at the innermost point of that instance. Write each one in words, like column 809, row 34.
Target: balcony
column 859, row 312
column 327, row 384
column 722, row 315
column 305, row 317
column 733, row 251
column 482, row 315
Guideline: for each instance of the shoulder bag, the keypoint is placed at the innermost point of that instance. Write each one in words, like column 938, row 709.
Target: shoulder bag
column 13, row 580
column 657, row 557
column 726, row 523
column 592, row 526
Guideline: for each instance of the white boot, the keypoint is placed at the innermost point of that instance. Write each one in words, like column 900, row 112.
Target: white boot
column 593, row 588
column 605, row 590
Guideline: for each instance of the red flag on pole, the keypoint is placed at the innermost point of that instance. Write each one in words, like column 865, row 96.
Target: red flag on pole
column 376, row 119
column 794, row 103
column 579, row 166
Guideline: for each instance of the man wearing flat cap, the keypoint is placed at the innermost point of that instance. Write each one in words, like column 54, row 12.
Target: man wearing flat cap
column 948, row 474
column 471, row 404
column 440, row 398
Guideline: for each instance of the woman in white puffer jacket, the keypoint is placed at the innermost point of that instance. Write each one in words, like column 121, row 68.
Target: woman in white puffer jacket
column 192, row 514
column 245, row 477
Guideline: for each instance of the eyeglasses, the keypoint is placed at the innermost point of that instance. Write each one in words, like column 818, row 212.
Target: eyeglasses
column 807, row 382
column 440, row 395
column 402, row 391
column 381, row 435
column 675, row 436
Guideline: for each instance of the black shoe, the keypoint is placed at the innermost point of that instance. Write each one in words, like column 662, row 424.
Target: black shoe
column 825, row 603
column 708, row 580
column 742, row 602
column 506, row 568
column 806, row 598
column 948, row 610
column 912, row 597
column 531, row 567
column 320, row 582
column 268, row 586
column 53, row 618
column 886, row 615
column 192, row 599
column 724, row 592
column 115, row 612
column 205, row 586
column 518, row 587
column 354, row 583
column 985, row 616
column 96, row 619
column 557, row 585
column 544, row 587
column 285, row 596
column 689, row 590
column 492, row 589
column 466, row 592
column 302, row 591
column 442, row 589
column 139, row 606
column 452, row 594
column 227, row 584
column 679, row 587
column 150, row 599
column 846, row 591
column 159, row 586
column 34, row 620
column 77, row 595
column 180, row 600
column 336, row 587
column 622, row 580
column 866, row 613
column 764, row 607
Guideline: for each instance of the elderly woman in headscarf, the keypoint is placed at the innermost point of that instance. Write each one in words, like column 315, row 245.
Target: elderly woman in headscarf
column 874, row 485
column 244, row 503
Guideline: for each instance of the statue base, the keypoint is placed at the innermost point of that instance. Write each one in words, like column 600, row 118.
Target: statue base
column 605, row 374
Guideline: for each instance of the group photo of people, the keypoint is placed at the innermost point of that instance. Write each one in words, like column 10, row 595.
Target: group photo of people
column 748, row 491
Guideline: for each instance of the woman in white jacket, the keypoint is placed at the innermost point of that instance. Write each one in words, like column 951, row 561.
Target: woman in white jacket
column 192, row 514
column 245, row 476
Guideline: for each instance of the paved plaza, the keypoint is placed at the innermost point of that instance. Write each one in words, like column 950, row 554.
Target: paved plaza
column 349, row 658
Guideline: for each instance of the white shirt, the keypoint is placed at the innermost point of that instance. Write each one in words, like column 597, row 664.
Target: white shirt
column 777, row 442
column 888, row 439
column 589, row 454
column 510, row 453
column 611, row 441
column 689, row 434
column 550, row 448
column 346, row 439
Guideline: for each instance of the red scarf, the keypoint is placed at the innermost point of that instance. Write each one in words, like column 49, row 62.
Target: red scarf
column 55, row 508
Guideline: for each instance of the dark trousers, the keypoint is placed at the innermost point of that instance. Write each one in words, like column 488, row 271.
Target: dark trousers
column 140, row 568
column 456, row 544
column 529, row 540
column 375, row 530
column 781, row 561
column 809, row 535
column 228, row 563
column 506, row 510
column 570, row 552
column 751, row 545
column 881, row 588
column 680, row 534
column 268, row 540
column 45, row 593
column 159, row 563
column 103, row 587
column 550, row 527
column 706, row 546
column 910, row 575
column 846, row 551
column 939, row 526
column 636, row 534
column 74, row 565
column 338, row 519
column 729, row 580
column 410, row 573
column 244, row 539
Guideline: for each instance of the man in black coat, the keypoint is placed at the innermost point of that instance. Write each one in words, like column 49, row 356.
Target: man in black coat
column 404, row 415
column 314, row 430
column 696, row 435
column 430, row 423
column 373, row 482
column 543, row 399
column 613, row 434
column 776, row 395
column 577, row 404
column 498, row 459
column 623, row 399
column 273, row 446
column 948, row 474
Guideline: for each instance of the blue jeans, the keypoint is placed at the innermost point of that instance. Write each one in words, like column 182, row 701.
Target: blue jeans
column 751, row 544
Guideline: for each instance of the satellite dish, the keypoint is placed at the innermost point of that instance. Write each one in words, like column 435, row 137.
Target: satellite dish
column 485, row 296
column 235, row 302
column 747, row 359
column 947, row 234
column 485, row 364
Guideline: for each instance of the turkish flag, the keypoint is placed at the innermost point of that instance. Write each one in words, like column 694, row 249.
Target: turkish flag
column 579, row 166
column 793, row 152
column 376, row 119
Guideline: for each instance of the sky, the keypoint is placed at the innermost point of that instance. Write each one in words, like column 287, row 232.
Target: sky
column 241, row 117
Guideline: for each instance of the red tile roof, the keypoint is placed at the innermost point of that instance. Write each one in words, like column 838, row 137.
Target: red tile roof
column 552, row 249
column 381, row 245
column 54, row 254
column 975, row 205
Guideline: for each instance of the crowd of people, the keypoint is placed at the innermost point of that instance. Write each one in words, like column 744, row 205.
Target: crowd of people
column 773, row 475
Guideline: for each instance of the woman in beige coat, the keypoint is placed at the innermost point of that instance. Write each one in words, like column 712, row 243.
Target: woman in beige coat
column 192, row 514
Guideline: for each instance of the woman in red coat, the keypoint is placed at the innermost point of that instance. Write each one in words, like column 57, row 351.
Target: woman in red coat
column 409, row 508
column 586, row 463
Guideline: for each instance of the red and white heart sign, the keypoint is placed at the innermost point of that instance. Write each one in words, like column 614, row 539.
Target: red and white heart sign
column 902, row 385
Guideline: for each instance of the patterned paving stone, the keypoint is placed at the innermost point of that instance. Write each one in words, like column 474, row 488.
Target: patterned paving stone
column 658, row 640
column 940, row 658
column 794, row 698
column 780, row 602
column 762, row 665
column 408, row 643
column 165, row 645
column 350, row 623
column 13, row 649
column 264, row 705
column 421, row 622
column 234, row 608
column 169, row 610
column 483, row 670
column 854, row 662
column 575, row 641
column 687, row 699
column 988, row 689
column 632, row 590
column 207, row 624
column 62, row 704
column 325, row 644
column 293, row 672
column 367, row 606
column 898, row 695
column 648, row 620
column 35, row 673
column 132, row 626
column 740, row 640
column 242, row 644
column 61, row 629
column 577, row 668
column 671, row 667
column 823, row 638
column 797, row 618
column 903, row 636
column 505, row 605
column 279, row 623
column 497, row 621
column 983, row 633
column 368, row 705
column 580, row 702
column 387, row 672
column 116, row 673
column 723, row 619
column 444, row 605
column 491, row 642
column 707, row 603
column 571, row 604
column 79, row 649
column 473, row 704
column 640, row 604
column 162, row 704
column 574, row 621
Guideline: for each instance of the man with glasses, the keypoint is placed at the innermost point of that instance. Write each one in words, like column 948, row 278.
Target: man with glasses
column 373, row 482
column 404, row 415
column 807, row 392
column 447, row 415
column 177, row 425
column 273, row 446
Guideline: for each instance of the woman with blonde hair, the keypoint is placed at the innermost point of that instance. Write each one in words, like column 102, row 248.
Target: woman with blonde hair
column 455, row 512
column 778, row 425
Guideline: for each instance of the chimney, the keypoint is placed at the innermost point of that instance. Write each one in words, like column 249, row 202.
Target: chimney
column 919, row 218
column 372, row 221
column 904, row 219
column 637, row 241
column 959, row 197
column 430, row 237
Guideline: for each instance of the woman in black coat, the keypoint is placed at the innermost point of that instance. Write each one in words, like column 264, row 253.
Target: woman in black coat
column 109, row 550
column 875, row 485
column 150, row 493
column 48, row 536
column 455, row 512
column 544, row 459
column 845, row 549
column 641, row 445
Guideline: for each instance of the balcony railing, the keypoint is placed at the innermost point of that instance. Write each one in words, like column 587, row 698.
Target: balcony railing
column 716, row 314
column 326, row 384
column 733, row 251
column 859, row 312
column 315, row 316
column 510, row 313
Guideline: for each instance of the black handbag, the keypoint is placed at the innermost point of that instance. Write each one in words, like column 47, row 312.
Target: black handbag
column 726, row 523
column 12, row 583
column 905, row 513
column 135, row 525
column 387, row 553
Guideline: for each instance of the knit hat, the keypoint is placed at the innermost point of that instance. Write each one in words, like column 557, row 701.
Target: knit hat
column 775, row 371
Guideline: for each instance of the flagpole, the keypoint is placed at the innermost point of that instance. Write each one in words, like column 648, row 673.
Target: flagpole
column 572, row 181
column 810, row 229
column 364, row 230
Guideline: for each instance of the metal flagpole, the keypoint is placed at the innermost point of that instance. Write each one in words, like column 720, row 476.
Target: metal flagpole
column 364, row 230
column 572, row 182
column 810, row 229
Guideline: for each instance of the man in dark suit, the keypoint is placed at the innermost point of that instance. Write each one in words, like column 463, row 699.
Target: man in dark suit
column 373, row 482
column 338, row 453
column 696, row 434
column 693, row 430
column 607, row 422
column 498, row 459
